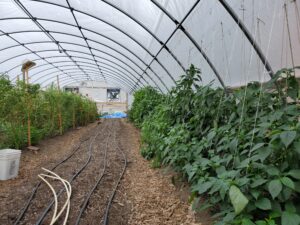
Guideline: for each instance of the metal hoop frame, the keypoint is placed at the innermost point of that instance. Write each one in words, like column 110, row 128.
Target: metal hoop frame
column 140, row 75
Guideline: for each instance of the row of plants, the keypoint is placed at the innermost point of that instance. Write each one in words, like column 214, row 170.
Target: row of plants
column 239, row 149
column 50, row 112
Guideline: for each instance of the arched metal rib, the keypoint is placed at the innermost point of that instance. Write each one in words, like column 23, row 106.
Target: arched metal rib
column 115, row 27
column 116, row 70
column 179, row 25
column 93, row 75
column 250, row 38
column 87, row 69
column 84, row 53
column 99, row 34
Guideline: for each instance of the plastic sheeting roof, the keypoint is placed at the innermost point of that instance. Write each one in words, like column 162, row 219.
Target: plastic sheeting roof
column 134, row 43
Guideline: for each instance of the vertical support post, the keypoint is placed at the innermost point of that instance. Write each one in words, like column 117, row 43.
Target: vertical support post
column 59, row 108
column 27, row 78
column 60, row 121
column 126, row 102
column 29, row 129
column 74, row 124
column 28, row 110
column 57, row 78
column 25, row 68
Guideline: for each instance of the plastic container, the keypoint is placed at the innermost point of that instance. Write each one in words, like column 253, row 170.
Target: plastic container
column 9, row 163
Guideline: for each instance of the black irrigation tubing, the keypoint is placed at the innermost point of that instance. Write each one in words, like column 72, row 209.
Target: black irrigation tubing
column 44, row 214
column 88, row 197
column 35, row 189
column 106, row 218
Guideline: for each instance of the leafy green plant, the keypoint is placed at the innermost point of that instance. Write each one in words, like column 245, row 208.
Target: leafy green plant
column 239, row 149
column 51, row 112
column 145, row 101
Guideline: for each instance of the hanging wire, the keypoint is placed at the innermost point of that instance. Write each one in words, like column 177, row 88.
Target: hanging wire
column 245, row 73
column 259, row 70
column 225, row 55
column 246, row 89
column 289, row 33
column 298, row 18
column 261, row 83
column 283, row 38
column 228, row 62
column 243, row 40
column 253, row 17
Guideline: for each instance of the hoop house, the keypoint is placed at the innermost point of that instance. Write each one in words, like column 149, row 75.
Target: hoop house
column 136, row 43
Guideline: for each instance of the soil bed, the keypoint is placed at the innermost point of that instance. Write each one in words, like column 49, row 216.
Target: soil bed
column 144, row 196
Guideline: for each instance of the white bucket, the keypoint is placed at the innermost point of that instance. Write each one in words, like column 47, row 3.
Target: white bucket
column 9, row 163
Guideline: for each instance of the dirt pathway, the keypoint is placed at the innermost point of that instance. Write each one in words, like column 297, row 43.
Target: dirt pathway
column 144, row 196
column 15, row 192
column 154, row 200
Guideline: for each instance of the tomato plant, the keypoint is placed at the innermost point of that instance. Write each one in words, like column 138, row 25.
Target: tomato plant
column 51, row 112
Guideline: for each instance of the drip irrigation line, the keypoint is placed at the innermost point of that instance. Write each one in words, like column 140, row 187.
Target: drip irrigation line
column 86, row 201
column 44, row 214
column 35, row 189
column 106, row 218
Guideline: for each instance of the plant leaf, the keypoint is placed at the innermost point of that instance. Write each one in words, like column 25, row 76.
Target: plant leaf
column 286, row 193
column 263, row 153
column 287, row 137
column 258, row 182
column 263, row 203
column 295, row 174
column 273, row 171
column 247, row 222
column 202, row 187
column 289, row 206
column 288, row 182
column 275, row 187
column 289, row 218
column 255, row 193
column 238, row 199
column 261, row 222
column 297, row 147
column 257, row 146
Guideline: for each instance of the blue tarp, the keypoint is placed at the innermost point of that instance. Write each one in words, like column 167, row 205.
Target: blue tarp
column 115, row 115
